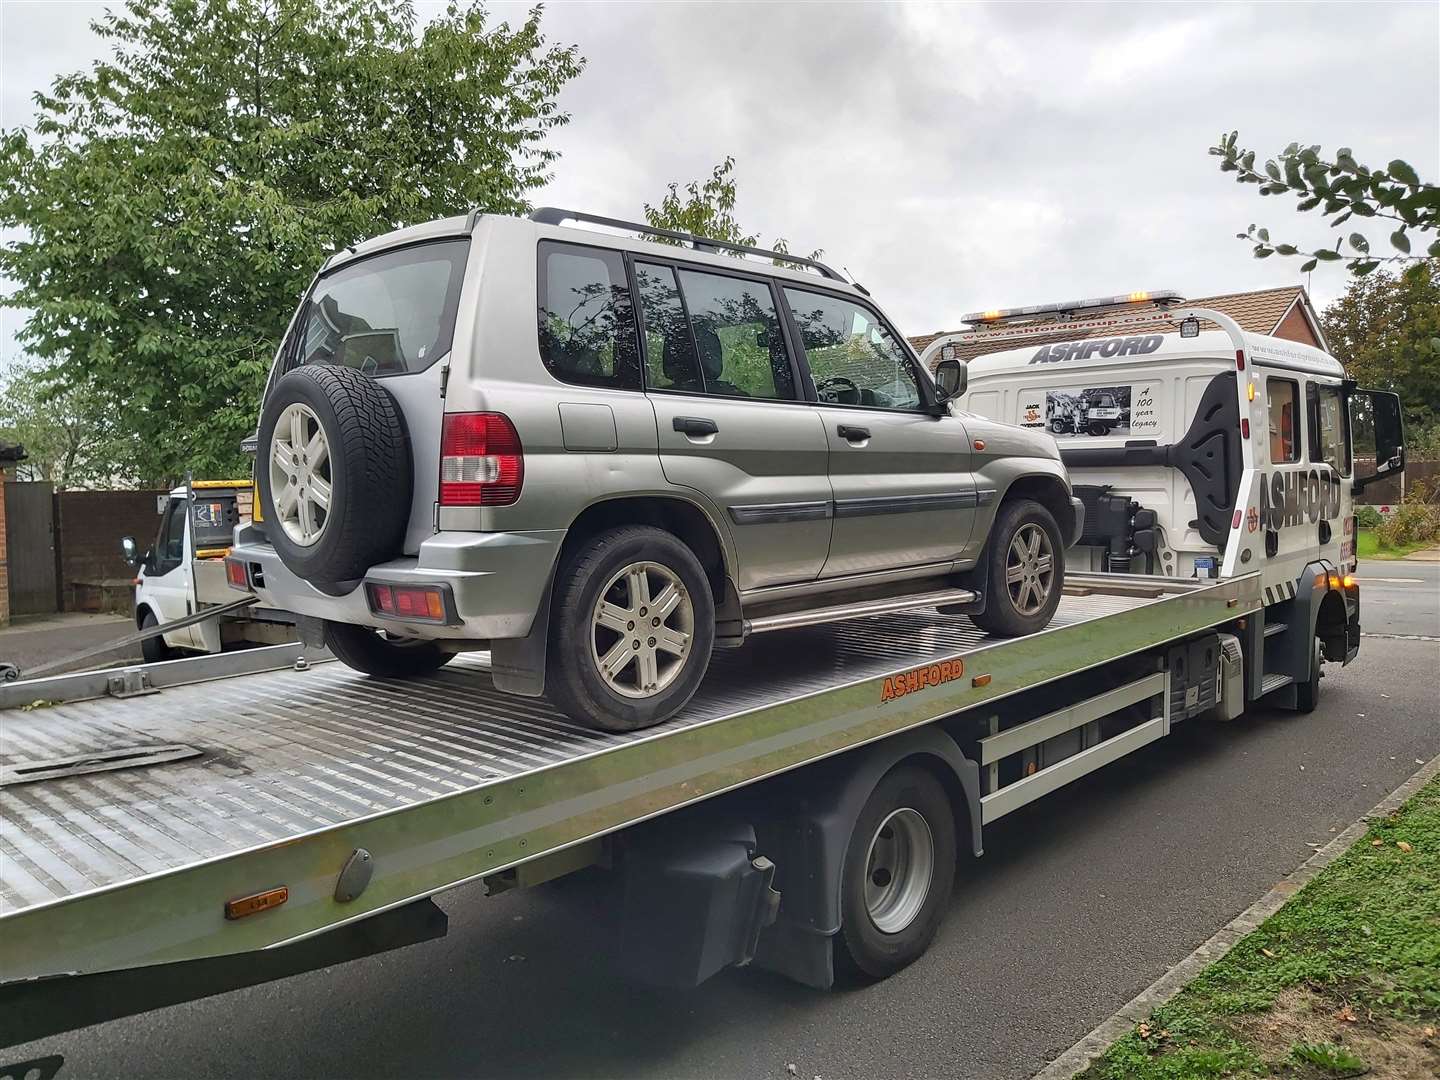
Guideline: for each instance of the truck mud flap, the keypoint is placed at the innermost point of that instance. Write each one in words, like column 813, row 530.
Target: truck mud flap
column 697, row 896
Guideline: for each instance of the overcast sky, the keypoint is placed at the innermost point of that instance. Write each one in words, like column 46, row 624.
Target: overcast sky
column 954, row 157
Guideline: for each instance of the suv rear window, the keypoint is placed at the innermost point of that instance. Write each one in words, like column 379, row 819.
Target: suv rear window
column 389, row 314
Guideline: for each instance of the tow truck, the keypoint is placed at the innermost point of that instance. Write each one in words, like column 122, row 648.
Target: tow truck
column 804, row 813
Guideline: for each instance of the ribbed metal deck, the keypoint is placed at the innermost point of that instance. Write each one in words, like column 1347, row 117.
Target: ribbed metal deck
column 290, row 752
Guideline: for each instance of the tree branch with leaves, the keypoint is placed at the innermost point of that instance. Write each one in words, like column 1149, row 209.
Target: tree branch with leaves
column 1342, row 187
column 707, row 210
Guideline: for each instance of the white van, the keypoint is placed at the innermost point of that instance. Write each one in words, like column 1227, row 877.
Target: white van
column 1198, row 452
column 184, row 572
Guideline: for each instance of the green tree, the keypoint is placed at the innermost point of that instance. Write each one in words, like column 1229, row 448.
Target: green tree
column 68, row 436
column 175, row 199
column 1342, row 187
column 707, row 209
column 1382, row 328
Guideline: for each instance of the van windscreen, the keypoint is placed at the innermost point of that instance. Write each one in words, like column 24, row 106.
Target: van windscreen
column 389, row 314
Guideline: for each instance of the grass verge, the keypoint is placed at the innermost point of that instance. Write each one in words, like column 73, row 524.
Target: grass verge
column 1344, row 980
column 1367, row 546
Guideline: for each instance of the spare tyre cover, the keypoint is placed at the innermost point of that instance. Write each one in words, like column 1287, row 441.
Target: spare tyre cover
column 334, row 473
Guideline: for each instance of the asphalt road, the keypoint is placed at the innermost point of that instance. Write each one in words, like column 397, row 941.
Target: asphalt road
column 1400, row 596
column 1081, row 901
column 36, row 640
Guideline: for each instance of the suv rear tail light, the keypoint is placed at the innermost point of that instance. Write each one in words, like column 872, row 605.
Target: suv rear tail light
column 481, row 460
column 414, row 603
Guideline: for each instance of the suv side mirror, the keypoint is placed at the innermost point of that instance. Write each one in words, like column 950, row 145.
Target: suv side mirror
column 1379, row 411
column 131, row 551
column 950, row 379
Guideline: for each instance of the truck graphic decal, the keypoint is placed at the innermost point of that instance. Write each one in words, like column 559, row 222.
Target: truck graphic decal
column 1083, row 350
column 907, row 682
column 1299, row 496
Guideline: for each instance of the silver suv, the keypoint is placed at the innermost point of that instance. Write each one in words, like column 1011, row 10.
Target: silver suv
column 601, row 457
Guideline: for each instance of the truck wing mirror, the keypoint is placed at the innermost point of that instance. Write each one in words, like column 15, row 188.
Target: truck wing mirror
column 1376, row 413
column 950, row 379
column 131, row 551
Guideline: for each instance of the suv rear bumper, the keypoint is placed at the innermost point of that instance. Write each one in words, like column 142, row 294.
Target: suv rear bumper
column 496, row 581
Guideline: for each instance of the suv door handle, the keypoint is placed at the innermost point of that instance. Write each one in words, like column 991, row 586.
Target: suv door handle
column 695, row 425
column 851, row 433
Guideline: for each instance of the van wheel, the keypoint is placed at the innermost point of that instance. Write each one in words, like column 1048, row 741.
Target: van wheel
column 1307, row 693
column 632, row 629
column 898, row 874
column 1024, row 568
column 153, row 649
column 376, row 653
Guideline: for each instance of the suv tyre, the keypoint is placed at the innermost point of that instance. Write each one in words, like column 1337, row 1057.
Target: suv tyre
column 632, row 629
column 1024, row 570
column 372, row 652
column 334, row 473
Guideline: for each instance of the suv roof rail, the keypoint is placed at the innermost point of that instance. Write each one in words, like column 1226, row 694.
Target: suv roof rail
column 554, row 215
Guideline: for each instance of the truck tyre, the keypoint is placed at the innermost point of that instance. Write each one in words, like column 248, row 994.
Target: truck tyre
column 334, row 473
column 153, row 649
column 1307, row 691
column 1024, row 570
column 371, row 651
column 632, row 627
column 898, row 874
column 1098, row 428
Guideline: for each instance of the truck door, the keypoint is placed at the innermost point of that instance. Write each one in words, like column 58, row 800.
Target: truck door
column 166, row 585
column 731, row 420
column 904, row 491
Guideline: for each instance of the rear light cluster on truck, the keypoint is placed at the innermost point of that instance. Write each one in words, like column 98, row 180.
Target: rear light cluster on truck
column 481, row 460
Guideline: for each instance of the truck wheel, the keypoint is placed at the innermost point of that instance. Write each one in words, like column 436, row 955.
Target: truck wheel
column 153, row 649
column 375, row 653
column 333, row 472
column 632, row 628
column 1097, row 428
column 1059, row 427
column 1024, row 568
column 1307, row 693
column 898, row 873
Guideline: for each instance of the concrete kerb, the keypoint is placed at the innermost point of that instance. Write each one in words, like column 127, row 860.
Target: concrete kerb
column 1080, row 1056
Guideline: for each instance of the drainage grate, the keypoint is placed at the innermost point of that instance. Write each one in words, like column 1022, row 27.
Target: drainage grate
column 129, row 757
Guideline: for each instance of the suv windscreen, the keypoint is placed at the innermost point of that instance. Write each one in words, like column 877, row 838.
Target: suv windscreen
column 389, row 314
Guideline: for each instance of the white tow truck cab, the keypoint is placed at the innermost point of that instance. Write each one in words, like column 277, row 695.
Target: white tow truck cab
column 1200, row 450
column 183, row 573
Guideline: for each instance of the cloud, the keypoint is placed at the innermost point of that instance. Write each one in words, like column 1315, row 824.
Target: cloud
column 958, row 157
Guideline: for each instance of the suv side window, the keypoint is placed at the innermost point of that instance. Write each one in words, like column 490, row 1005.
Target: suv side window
column 1282, row 398
column 1327, row 427
column 586, row 318
column 738, row 340
column 670, row 362
column 853, row 357
column 170, row 548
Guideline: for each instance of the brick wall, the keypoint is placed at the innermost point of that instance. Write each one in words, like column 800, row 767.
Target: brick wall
column 88, row 528
column 1295, row 328
column 4, row 560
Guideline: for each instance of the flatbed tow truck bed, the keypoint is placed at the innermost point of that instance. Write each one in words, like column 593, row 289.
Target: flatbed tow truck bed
column 274, row 780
